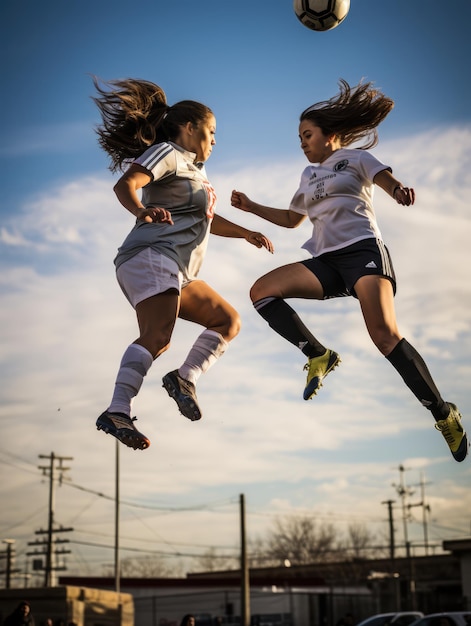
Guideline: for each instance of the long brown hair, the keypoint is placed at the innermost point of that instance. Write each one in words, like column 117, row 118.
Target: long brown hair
column 353, row 114
column 135, row 115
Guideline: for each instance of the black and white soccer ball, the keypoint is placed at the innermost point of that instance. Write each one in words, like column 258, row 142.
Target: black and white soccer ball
column 321, row 15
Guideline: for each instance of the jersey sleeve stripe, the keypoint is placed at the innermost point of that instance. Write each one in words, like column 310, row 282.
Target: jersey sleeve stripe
column 160, row 152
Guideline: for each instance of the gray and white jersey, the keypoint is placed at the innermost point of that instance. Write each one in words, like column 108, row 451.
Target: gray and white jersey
column 181, row 186
column 337, row 196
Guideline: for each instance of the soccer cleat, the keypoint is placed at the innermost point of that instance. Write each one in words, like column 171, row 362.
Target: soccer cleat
column 184, row 394
column 454, row 433
column 121, row 426
column 318, row 367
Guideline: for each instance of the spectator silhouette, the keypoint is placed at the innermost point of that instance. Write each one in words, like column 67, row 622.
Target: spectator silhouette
column 21, row 616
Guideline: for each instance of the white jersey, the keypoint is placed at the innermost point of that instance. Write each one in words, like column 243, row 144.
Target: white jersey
column 337, row 196
column 181, row 186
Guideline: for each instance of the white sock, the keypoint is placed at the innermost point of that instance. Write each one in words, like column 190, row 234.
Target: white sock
column 209, row 346
column 135, row 364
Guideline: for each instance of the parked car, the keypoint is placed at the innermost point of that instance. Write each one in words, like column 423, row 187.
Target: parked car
column 453, row 618
column 398, row 619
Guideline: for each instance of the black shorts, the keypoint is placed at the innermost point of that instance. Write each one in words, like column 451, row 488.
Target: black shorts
column 338, row 271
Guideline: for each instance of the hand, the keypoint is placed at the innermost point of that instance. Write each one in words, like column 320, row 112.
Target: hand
column 155, row 215
column 259, row 240
column 404, row 195
column 240, row 201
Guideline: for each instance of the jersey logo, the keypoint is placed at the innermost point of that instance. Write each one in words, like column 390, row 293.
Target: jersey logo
column 341, row 165
column 210, row 199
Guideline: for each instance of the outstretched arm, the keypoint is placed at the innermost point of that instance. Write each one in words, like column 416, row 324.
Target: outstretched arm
column 280, row 217
column 402, row 195
column 224, row 228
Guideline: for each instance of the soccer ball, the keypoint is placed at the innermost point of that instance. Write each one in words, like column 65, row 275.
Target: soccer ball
column 321, row 14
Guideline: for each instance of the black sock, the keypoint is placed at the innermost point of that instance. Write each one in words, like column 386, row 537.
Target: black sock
column 285, row 321
column 414, row 371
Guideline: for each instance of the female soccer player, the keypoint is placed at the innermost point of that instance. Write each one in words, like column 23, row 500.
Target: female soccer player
column 163, row 150
column 348, row 253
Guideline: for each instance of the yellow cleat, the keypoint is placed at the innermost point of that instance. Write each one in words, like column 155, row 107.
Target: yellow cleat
column 317, row 369
column 454, row 433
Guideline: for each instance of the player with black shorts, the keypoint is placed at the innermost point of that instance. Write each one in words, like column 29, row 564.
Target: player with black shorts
column 348, row 255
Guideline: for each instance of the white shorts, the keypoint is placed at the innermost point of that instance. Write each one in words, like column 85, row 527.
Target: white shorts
column 147, row 274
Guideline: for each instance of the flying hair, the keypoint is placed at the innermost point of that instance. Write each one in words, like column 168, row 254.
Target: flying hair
column 135, row 115
column 353, row 114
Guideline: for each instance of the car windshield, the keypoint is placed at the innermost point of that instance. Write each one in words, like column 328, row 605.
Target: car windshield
column 405, row 620
column 379, row 620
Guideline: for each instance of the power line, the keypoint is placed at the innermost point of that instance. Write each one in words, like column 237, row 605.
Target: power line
column 153, row 507
column 155, row 552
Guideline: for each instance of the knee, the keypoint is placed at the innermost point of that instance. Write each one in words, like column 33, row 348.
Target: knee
column 257, row 291
column 160, row 349
column 155, row 344
column 385, row 341
column 233, row 326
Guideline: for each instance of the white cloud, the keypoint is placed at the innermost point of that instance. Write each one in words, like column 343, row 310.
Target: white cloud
column 65, row 325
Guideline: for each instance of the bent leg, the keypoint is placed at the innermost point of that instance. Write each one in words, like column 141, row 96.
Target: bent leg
column 289, row 281
column 268, row 293
column 156, row 319
column 201, row 304
column 376, row 298
column 294, row 281
column 377, row 304
column 204, row 306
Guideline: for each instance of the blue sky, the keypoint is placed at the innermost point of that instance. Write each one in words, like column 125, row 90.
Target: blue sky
column 65, row 324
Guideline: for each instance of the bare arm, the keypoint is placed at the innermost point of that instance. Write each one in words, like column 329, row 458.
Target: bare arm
column 280, row 217
column 126, row 190
column 402, row 195
column 224, row 228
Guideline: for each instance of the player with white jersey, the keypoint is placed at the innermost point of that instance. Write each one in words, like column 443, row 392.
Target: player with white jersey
column 343, row 177
column 349, row 256
column 166, row 189
column 181, row 186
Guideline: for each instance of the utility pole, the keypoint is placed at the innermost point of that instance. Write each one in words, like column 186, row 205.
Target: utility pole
column 392, row 545
column 50, row 541
column 404, row 492
column 425, row 510
column 244, row 569
column 392, row 555
column 9, row 555
column 117, row 566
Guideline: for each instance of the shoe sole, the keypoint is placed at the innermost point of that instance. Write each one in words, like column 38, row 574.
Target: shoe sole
column 307, row 395
column 187, row 407
column 462, row 451
column 131, row 440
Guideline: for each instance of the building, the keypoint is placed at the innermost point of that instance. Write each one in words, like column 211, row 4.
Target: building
column 82, row 606
column 307, row 595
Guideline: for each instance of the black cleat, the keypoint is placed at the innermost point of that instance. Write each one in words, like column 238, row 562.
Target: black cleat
column 121, row 426
column 184, row 394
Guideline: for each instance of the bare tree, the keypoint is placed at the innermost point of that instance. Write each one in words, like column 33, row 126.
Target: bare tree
column 149, row 567
column 301, row 540
column 359, row 540
column 212, row 561
column 257, row 555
